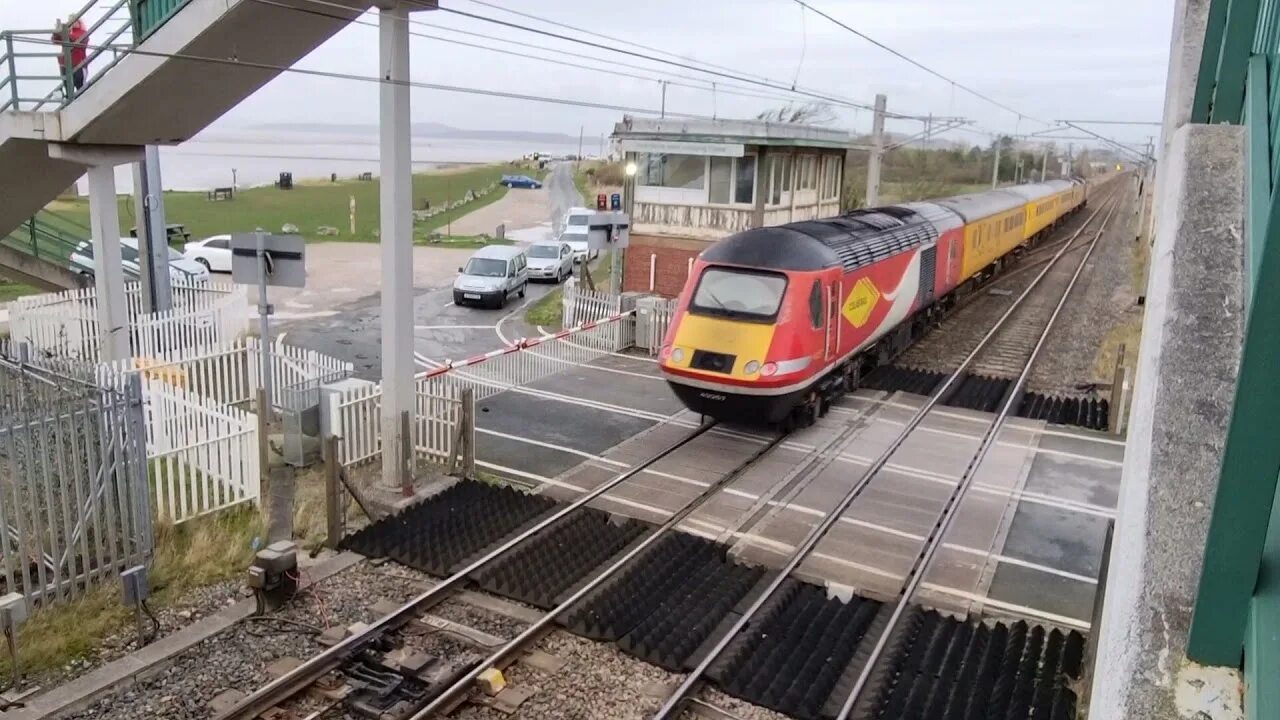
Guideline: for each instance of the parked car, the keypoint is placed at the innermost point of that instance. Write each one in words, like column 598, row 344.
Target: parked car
column 575, row 233
column 550, row 261
column 491, row 276
column 521, row 181
column 181, row 270
column 214, row 253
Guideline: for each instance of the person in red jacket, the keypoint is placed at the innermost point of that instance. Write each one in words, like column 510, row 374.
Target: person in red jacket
column 77, row 38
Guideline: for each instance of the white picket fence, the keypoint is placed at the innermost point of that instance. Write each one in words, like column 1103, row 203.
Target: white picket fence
column 652, row 319
column 202, row 454
column 437, row 415
column 202, row 444
column 645, row 328
column 65, row 324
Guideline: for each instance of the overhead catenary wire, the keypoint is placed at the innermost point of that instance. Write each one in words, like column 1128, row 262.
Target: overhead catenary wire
column 609, row 67
column 681, row 64
column 902, row 56
column 333, row 75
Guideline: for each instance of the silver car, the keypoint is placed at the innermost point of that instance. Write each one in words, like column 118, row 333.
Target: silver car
column 550, row 261
column 492, row 275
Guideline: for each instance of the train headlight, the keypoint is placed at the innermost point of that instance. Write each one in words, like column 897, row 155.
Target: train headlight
column 751, row 367
column 677, row 354
column 768, row 369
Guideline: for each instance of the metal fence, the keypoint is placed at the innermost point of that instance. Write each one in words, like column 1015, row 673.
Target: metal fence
column 65, row 324
column 74, row 500
column 1238, row 605
column 438, row 417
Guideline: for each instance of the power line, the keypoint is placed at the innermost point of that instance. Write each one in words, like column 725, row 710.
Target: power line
column 708, row 87
column 369, row 79
column 1115, row 122
column 918, row 64
column 731, row 75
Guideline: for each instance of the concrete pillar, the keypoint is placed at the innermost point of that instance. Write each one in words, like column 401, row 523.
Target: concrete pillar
column 877, row 153
column 104, row 222
column 396, row 234
column 108, row 276
column 763, row 172
column 153, row 236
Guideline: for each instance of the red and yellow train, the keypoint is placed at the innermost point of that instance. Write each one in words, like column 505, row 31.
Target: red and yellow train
column 775, row 321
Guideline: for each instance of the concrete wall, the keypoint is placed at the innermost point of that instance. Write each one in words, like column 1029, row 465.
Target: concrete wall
column 1187, row 367
column 669, row 258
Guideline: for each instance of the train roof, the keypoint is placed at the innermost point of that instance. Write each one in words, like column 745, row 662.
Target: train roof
column 1035, row 191
column 851, row 240
column 976, row 206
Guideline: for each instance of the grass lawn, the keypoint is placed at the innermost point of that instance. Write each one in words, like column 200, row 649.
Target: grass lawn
column 13, row 290
column 312, row 204
column 548, row 311
column 460, row 242
column 197, row 553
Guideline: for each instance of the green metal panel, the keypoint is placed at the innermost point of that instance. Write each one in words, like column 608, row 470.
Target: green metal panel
column 1207, row 79
column 1260, row 163
column 1239, row 34
column 1262, row 641
column 151, row 14
column 1250, row 465
column 1268, row 38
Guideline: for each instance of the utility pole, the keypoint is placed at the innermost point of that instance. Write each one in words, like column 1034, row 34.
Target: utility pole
column 580, row 129
column 928, row 130
column 995, row 167
column 1070, row 159
column 664, row 97
column 877, row 152
column 1044, row 164
column 152, row 233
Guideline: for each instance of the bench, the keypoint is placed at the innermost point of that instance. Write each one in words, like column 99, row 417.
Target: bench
column 222, row 193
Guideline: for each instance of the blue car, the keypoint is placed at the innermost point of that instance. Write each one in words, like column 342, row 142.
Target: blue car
column 520, row 181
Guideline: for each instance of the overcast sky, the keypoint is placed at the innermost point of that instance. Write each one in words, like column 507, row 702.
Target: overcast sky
column 1088, row 59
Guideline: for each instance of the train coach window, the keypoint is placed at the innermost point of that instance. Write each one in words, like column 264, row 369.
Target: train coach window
column 745, row 294
column 815, row 305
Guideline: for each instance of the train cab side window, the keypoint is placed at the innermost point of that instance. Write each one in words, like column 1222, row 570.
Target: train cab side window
column 815, row 305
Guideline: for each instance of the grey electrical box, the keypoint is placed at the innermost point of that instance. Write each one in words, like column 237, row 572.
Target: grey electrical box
column 13, row 610
column 135, row 586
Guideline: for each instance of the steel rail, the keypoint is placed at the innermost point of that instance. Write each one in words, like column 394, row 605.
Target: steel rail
column 285, row 686
column 531, row 633
column 672, row 707
column 933, row 541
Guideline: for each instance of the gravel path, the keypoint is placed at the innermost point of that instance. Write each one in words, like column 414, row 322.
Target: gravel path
column 191, row 607
column 598, row 681
column 237, row 658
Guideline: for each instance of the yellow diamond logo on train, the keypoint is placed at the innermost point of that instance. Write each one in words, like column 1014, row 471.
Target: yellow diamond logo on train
column 861, row 301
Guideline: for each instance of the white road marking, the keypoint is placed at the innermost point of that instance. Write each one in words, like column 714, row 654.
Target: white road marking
column 814, row 512
column 453, row 327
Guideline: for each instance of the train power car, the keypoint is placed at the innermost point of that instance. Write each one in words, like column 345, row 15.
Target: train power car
column 775, row 321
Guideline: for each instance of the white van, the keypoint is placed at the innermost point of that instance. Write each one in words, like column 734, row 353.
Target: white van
column 491, row 275
column 575, row 233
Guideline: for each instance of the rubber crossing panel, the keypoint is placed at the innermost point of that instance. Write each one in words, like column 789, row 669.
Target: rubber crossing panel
column 792, row 658
column 986, row 394
column 551, row 563
column 437, row 534
column 663, row 607
column 947, row 669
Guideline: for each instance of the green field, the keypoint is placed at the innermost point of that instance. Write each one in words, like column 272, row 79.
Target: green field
column 311, row 205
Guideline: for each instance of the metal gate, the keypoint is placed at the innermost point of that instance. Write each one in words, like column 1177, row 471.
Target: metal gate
column 74, row 496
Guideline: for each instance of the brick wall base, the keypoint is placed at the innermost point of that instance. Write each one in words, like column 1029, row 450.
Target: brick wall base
column 664, row 260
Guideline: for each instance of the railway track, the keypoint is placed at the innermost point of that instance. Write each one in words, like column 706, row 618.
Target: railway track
column 586, row 572
column 945, row 346
column 857, row 702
